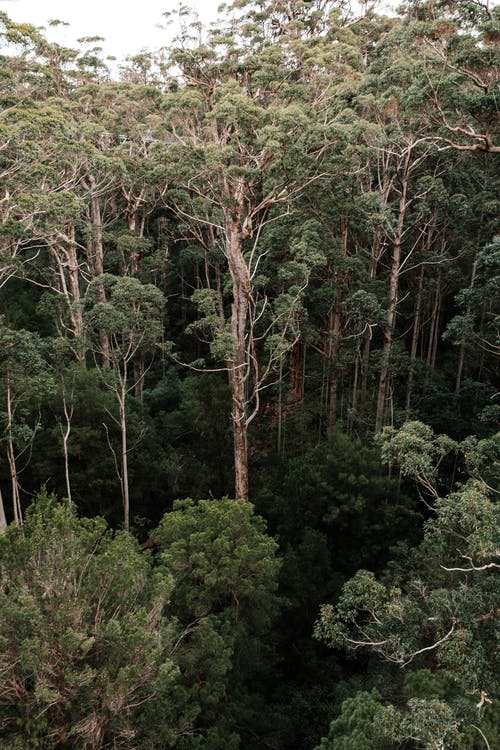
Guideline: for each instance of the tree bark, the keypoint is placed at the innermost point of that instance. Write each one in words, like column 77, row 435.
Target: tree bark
column 3, row 520
column 237, row 361
column 11, row 457
column 334, row 345
column 96, row 260
column 393, row 299
column 461, row 358
column 414, row 341
column 124, row 455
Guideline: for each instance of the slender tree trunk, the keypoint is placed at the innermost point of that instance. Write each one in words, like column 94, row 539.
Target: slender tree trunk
column 430, row 342
column 68, row 413
column 237, row 362
column 365, row 361
column 68, row 271
column 297, row 371
column 3, row 519
column 11, row 457
column 414, row 341
column 334, row 345
column 435, row 342
column 393, row 302
column 354, row 400
column 461, row 357
column 124, row 456
column 96, row 261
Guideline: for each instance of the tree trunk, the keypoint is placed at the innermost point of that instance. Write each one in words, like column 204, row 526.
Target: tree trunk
column 96, row 261
column 11, row 457
column 68, row 413
column 461, row 358
column 124, row 456
column 334, row 345
column 68, row 270
column 414, row 341
column 297, row 371
column 237, row 361
column 393, row 301
column 3, row 520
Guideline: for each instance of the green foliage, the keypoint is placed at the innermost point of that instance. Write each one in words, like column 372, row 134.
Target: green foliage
column 434, row 610
column 84, row 644
column 417, row 451
column 224, row 598
column 309, row 197
column 359, row 726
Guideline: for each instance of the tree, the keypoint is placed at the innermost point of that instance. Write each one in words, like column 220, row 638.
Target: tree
column 26, row 378
column 85, row 647
column 132, row 322
column 224, row 598
column 249, row 135
column 434, row 612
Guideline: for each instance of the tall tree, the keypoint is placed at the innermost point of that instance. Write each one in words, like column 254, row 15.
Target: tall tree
column 250, row 135
column 131, row 318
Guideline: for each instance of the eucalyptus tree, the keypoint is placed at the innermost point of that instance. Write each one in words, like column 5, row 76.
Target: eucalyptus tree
column 476, row 327
column 86, row 642
column 131, row 318
column 433, row 616
column 251, row 130
column 457, row 44
column 25, row 379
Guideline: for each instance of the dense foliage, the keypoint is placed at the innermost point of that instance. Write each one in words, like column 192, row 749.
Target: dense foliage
column 262, row 264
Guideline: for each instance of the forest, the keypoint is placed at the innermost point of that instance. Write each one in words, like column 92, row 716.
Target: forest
column 249, row 393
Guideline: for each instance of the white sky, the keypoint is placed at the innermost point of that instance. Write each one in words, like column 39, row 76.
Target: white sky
column 128, row 26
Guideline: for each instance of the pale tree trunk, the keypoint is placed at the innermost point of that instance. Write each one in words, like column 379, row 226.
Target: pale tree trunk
column 96, row 260
column 414, row 341
column 354, row 400
column 365, row 360
column 461, row 358
column 237, row 362
column 68, row 271
column 434, row 323
column 68, row 413
column 11, row 457
column 297, row 361
column 335, row 336
column 437, row 323
column 334, row 345
column 3, row 519
column 124, row 454
column 393, row 301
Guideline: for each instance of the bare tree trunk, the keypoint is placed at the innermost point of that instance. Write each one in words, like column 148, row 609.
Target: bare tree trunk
column 354, row 400
column 414, row 341
column 68, row 413
column 362, row 419
column 3, row 519
column 393, row 301
column 11, row 457
column 435, row 343
column 461, row 358
column 334, row 345
column 297, row 370
column 124, row 455
column 365, row 360
column 68, row 271
column 430, row 342
column 96, row 261
column 237, row 361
